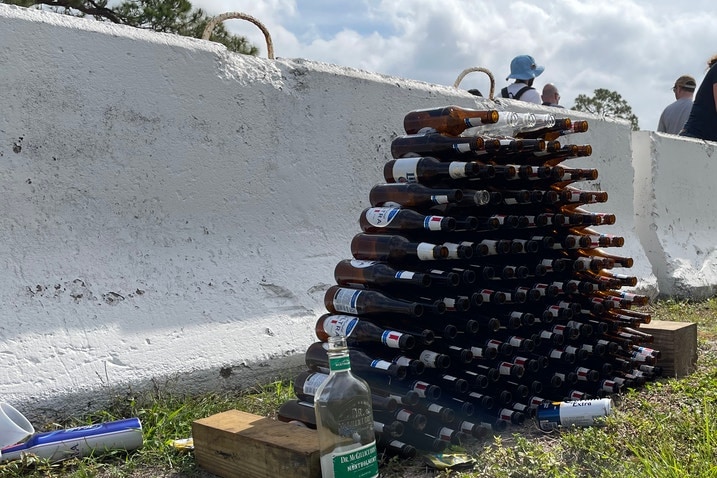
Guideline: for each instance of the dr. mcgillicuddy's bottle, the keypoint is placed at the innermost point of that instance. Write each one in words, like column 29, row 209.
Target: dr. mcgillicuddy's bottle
column 344, row 419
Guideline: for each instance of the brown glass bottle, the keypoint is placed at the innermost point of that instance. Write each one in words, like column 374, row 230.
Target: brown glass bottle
column 368, row 302
column 559, row 125
column 429, row 170
column 393, row 219
column 358, row 332
column 317, row 359
column 448, row 119
column 443, row 147
column 357, row 273
column 411, row 195
column 387, row 247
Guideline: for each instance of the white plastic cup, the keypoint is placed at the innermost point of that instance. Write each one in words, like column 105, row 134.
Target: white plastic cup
column 14, row 427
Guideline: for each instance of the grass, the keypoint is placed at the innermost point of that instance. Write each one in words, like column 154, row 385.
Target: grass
column 666, row 429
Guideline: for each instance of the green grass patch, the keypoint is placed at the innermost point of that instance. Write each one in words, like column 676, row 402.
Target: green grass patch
column 666, row 429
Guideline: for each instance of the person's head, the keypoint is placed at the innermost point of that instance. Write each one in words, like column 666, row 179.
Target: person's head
column 684, row 87
column 711, row 61
column 524, row 69
column 550, row 94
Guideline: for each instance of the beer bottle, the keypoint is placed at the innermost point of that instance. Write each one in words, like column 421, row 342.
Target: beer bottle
column 435, row 411
column 379, row 247
column 507, row 124
column 451, row 120
column 424, row 441
column 317, row 358
column 307, row 382
column 444, row 433
column 448, row 382
column 411, row 195
column 552, row 158
column 367, row 302
column 360, row 274
column 392, row 219
column 579, row 216
column 472, row 429
column 344, row 419
column 293, row 411
column 358, row 332
column 415, row 421
column 575, row 127
column 394, row 447
column 440, row 146
column 543, row 130
column 429, row 170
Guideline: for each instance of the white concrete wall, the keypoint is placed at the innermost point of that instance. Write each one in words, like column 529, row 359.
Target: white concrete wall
column 674, row 205
column 172, row 212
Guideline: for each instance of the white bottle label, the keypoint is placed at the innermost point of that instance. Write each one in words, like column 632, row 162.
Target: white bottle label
column 404, row 275
column 424, row 251
column 381, row 216
column 312, row 383
column 432, row 223
column 405, row 170
column 358, row 264
column 391, row 339
column 338, row 325
column 345, row 300
column 456, row 169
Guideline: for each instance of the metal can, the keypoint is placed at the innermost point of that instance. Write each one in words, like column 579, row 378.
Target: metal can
column 579, row 413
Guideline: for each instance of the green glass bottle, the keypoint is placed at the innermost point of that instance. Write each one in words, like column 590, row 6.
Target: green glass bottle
column 344, row 419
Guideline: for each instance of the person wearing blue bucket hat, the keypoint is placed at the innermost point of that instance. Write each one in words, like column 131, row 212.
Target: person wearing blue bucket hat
column 523, row 70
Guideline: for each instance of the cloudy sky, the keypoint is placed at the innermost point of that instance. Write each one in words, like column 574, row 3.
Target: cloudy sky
column 635, row 47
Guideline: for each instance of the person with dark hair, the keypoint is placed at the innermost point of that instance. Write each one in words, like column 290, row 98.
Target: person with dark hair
column 702, row 122
column 524, row 71
column 674, row 117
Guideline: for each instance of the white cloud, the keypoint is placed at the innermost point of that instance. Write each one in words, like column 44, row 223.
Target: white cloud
column 635, row 47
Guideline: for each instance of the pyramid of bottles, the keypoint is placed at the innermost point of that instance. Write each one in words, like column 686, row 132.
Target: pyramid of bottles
column 479, row 287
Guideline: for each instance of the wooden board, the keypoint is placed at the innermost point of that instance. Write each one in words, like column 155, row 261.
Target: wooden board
column 677, row 342
column 236, row 444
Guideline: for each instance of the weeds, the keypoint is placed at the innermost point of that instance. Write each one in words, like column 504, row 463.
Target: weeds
column 666, row 429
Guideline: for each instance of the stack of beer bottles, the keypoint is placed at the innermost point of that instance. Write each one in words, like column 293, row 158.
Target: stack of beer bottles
column 479, row 286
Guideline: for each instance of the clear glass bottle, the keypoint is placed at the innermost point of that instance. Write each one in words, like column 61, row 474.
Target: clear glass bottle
column 344, row 419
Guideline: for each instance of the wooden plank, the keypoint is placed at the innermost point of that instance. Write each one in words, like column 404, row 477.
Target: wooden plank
column 677, row 342
column 235, row 444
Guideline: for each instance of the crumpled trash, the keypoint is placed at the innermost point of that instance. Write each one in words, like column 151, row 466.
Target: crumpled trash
column 182, row 444
column 449, row 461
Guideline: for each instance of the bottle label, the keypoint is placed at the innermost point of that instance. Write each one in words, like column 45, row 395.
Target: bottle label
column 361, row 462
column 380, row 364
column 340, row 363
column 381, row 216
column 456, row 169
column 338, row 325
column 402, row 360
column 404, row 275
column 424, row 251
column 405, row 170
column 432, row 223
column 345, row 300
column 312, row 382
column 429, row 357
column 359, row 264
column 391, row 338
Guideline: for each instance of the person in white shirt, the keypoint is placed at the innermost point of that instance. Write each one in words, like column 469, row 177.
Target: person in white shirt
column 524, row 71
column 674, row 117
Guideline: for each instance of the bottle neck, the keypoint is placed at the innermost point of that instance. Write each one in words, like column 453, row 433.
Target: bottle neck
column 339, row 361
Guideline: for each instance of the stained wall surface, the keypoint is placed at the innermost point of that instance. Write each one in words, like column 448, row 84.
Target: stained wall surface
column 173, row 212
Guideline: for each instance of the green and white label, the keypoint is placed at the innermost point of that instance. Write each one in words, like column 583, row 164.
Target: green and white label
column 358, row 463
